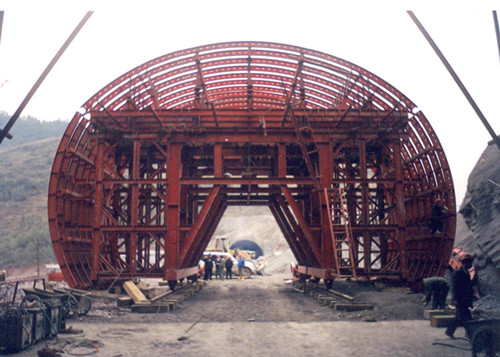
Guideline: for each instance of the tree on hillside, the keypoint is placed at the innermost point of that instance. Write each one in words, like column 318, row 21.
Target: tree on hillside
column 29, row 129
column 32, row 239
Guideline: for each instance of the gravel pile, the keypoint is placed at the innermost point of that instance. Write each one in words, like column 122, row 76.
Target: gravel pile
column 488, row 306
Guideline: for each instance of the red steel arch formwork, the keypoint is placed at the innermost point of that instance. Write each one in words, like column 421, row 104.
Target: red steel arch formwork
column 348, row 166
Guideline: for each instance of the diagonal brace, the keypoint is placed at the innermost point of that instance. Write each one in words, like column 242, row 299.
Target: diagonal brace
column 302, row 223
column 200, row 221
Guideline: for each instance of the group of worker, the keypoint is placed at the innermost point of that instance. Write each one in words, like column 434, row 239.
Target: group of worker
column 223, row 267
column 462, row 293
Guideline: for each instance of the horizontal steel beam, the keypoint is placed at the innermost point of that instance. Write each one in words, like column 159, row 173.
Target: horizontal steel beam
column 245, row 181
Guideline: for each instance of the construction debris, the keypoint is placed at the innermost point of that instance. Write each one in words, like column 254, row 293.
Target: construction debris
column 163, row 302
column 330, row 297
column 148, row 308
column 352, row 307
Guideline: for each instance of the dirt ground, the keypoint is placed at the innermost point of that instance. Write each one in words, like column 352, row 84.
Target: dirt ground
column 262, row 316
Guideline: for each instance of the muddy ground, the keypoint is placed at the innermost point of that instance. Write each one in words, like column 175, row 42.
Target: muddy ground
column 263, row 316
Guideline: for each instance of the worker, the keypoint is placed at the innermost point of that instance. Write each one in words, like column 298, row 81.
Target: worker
column 201, row 269
column 209, row 264
column 222, row 268
column 217, row 262
column 229, row 268
column 462, row 292
column 3, row 275
column 438, row 214
column 241, row 265
column 436, row 288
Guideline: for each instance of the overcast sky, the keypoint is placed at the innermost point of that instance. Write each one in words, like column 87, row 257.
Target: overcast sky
column 376, row 35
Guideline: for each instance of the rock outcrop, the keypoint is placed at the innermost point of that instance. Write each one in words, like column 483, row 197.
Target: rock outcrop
column 478, row 224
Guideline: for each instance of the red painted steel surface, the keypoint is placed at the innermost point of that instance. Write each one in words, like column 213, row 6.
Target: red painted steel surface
column 348, row 166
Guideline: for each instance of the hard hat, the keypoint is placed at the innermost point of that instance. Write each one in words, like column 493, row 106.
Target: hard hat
column 464, row 257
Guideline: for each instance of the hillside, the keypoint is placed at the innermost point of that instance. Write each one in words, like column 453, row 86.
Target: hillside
column 25, row 165
column 29, row 129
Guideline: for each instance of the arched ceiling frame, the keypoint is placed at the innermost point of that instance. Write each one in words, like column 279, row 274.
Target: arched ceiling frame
column 248, row 76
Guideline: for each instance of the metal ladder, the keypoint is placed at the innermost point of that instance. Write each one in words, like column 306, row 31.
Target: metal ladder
column 342, row 246
column 302, row 127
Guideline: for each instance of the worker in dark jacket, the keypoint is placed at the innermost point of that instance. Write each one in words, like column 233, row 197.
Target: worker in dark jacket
column 229, row 268
column 462, row 291
column 209, row 264
column 438, row 215
column 436, row 288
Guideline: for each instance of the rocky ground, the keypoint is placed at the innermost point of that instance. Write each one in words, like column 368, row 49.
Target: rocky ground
column 263, row 316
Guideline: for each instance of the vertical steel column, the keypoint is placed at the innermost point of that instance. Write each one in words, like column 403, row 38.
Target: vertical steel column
column 401, row 211
column 134, row 207
column 97, row 219
column 281, row 160
column 326, row 174
column 172, row 212
column 365, row 208
column 217, row 160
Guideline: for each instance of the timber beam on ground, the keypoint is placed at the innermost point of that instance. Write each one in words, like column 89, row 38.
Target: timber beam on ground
column 326, row 274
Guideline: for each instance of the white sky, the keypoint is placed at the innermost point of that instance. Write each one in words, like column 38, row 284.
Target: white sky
column 376, row 35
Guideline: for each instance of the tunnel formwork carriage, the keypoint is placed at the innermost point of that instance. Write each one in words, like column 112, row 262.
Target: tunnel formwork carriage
column 348, row 166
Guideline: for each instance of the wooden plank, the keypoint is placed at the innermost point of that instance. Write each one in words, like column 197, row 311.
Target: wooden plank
column 338, row 293
column 124, row 301
column 352, row 307
column 178, row 298
column 168, row 301
column 325, row 300
column 333, row 303
column 429, row 313
column 442, row 320
column 152, row 308
column 134, row 292
column 161, row 296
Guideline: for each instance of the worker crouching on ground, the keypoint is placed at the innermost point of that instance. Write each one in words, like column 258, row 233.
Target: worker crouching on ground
column 241, row 265
column 435, row 288
column 462, row 292
column 3, row 275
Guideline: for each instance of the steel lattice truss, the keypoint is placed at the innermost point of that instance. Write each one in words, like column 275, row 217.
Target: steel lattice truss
column 348, row 166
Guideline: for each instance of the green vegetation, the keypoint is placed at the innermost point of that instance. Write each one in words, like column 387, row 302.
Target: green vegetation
column 25, row 165
column 29, row 129
column 22, row 247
